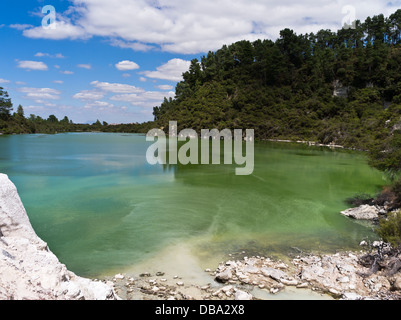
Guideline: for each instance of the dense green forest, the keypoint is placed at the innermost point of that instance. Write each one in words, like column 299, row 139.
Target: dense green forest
column 339, row 87
column 18, row 123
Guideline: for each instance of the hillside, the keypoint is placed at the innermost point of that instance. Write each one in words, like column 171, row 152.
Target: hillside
column 342, row 87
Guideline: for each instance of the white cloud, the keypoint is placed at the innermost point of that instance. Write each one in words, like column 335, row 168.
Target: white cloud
column 136, row 46
column 32, row 65
column 85, row 66
column 41, row 54
column 142, row 79
column 57, row 55
column 20, row 26
column 199, row 26
column 20, row 83
column 172, row 70
column 89, row 95
column 58, row 81
column 127, row 65
column 165, row 87
column 63, row 30
column 116, row 87
column 67, row 72
column 101, row 105
column 40, row 94
column 4, row 81
column 145, row 98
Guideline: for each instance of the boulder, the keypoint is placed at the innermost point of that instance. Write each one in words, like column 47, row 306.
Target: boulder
column 363, row 212
column 224, row 276
column 274, row 273
column 242, row 295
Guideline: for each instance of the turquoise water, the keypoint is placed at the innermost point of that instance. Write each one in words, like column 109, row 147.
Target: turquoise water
column 101, row 207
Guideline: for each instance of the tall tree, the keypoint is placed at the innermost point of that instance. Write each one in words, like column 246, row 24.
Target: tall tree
column 5, row 105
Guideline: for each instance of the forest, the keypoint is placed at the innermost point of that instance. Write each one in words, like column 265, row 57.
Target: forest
column 339, row 87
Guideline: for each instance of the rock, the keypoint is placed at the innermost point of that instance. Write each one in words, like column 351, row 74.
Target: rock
column 159, row 274
column 180, row 283
column 363, row 243
column 224, row 276
column 351, row 296
column 377, row 244
column 28, row 269
column 227, row 289
column 289, row 282
column 397, row 283
column 273, row 273
column 274, row 290
column 344, row 279
column 119, row 276
column 145, row 274
column 282, row 266
column 242, row 295
column 363, row 212
column 334, row 292
column 251, row 269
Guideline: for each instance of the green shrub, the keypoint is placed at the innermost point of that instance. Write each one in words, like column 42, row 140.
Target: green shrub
column 396, row 189
column 390, row 229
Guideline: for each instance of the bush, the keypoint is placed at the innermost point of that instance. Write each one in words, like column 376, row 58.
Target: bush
column 396, row 189
column 360, row 199
column 390, row 229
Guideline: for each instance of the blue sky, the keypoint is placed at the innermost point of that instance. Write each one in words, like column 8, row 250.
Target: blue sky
column 115, row 60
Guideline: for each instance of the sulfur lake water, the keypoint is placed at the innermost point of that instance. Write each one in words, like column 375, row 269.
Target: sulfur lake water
column 103, row 209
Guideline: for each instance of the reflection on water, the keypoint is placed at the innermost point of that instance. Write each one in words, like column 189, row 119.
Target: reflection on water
column 102, row 207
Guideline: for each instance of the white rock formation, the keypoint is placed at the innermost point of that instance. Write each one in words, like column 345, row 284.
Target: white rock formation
column 28, row 269
column 363, row 212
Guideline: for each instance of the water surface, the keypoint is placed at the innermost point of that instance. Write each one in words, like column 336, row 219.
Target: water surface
column 102, row 208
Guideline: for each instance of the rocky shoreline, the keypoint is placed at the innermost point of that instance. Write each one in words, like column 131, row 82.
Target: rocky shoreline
column 344, row 275
column 336, row 276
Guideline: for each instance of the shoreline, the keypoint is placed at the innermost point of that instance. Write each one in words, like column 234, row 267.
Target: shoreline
column 306, row 277
column 343, row 275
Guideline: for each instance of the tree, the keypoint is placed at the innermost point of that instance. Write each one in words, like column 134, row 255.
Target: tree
column 385, row 155
column 5, row 105
column 52, row 119
column 20, row 112
column 65, row 120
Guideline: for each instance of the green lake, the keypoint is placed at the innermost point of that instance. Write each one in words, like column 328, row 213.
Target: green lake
column 102, row 208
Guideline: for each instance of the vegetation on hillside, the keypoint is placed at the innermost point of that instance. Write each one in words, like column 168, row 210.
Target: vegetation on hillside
column 18, row 123
column 339, row 87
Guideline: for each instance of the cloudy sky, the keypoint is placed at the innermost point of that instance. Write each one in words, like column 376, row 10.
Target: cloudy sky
column 115, row 60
